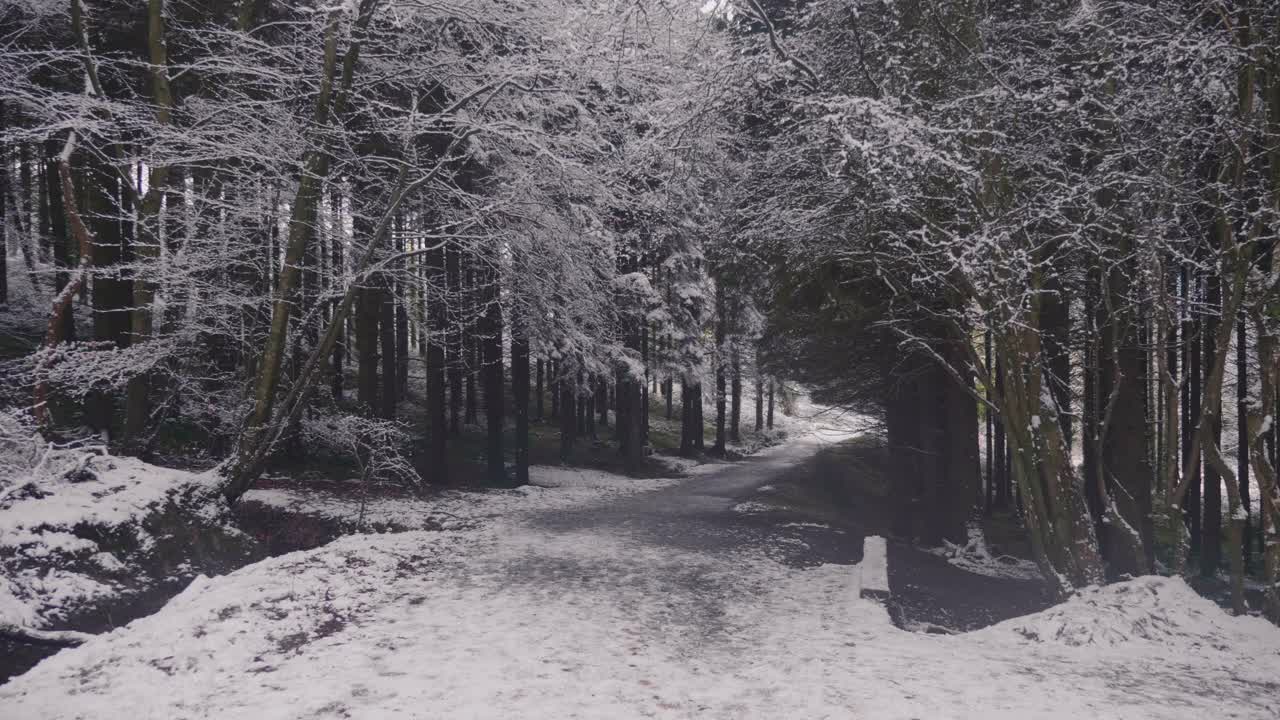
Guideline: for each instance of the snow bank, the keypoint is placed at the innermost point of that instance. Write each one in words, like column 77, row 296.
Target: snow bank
column 1149, row 609
column 77, row 539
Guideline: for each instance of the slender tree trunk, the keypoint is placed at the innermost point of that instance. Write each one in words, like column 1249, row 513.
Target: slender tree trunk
column 339, row 348
column 62, row 303
column 581, row 410
column 1211, row 498
column 602, row 400
column 553, row 382
column 64, row 250
column 721, row 436
column 1057, row 332
column 315, row 169
column 961, row 492
column 455, row 303
column 491, row 359
column 1262, row 419
column 668, row 392
column 687, row 445
column 589, row 406
column 520, row 393
column 366, row 349
column 402, row 338
column 112, row 296
column 4, row 210
column 387, row 347
column 769, row 417
column 439, row 335
column 1056, row 514
column 989, row 418
column 367, row 339
column 470, row 343
column 568, row 423
column 735, row 414
column 538, row 393
column 1242, row 436
column 1191, row 499
column 147, row 245
column 759, row 398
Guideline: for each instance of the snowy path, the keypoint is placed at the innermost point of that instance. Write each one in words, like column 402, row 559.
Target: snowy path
column 667, row 604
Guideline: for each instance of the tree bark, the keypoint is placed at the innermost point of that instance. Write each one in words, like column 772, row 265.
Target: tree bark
column 520, row 393
column 454, row 301
column 735, row 412
column 538, row 393
column 962, row 490
column 1242, row 436
column 1211, row 497
column 387, row 347
column 568, row 423
column 438, row 337
column 367, row 340
column 1126, row 536
column 112, row 296
column 491, row 359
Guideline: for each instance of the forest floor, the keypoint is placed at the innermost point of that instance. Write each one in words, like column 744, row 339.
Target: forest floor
column 733, row 593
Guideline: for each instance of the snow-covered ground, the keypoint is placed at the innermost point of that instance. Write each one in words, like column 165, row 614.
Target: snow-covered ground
column 72, row 527
column 513, row 617
column 550, row 487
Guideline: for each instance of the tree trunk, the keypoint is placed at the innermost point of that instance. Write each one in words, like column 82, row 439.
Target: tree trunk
column 568, row 423
column 688, row 447
column 147, row 245
column 339, row 348
column 553, row 381
column 699, row 426
column 721, row 436
column 1242, row 437
column 735, row 412
column 64, row 250
column 315, row 169
column 1127, row 535
column 520, row 393
column 112, row 296
column 1262, row 419
column 62, row 303
column 769, row 416
column 1056, row 515
column 367, row 339
column 1057, row 349
column 962, row 492
column 454, row 302
column 491, row 364
column 602, row 400
column 402, row 339
column 387, row 347
column 1191, row 474
column 438, row 334
column 1211, row 497
column 538, row 392
column 4, row 209
column 989, row 495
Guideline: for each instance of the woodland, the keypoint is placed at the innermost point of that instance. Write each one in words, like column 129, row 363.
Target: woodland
column 433, row 243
